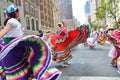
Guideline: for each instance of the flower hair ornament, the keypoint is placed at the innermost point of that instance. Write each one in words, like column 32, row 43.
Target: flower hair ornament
column 60, row 24
column 11, row 8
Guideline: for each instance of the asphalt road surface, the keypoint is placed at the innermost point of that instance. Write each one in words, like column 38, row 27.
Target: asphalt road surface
column 89, row 64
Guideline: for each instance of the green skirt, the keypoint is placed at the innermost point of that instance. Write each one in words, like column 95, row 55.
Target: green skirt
column 8, row 39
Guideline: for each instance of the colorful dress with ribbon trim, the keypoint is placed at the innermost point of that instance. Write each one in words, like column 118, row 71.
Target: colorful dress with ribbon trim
column 62, row 43
column 25, row 58
column 115, row 40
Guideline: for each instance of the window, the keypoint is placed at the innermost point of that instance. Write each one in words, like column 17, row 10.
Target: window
column 69, row 2
column 36, row 13
column 37, row 25
column 26, row 7
column 31, row 10
column 28, row 23
column 16, row 2
column 44, row 3
column 33, row 25
column 45, row 10
column 42, row 16
column 4, row 15
column 42, row 23
column 41, row 8
column 46, row 18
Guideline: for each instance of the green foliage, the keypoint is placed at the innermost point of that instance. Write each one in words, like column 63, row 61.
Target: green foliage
column 96, row 25
column 108, row 9
column 101, row 11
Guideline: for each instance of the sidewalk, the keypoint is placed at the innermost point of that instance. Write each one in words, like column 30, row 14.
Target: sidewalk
column 87, row 78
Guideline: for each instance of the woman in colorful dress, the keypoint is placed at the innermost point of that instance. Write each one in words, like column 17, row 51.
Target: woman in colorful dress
column 23, row 57
column 61, row 37
column 114, row 53
column 63, row 41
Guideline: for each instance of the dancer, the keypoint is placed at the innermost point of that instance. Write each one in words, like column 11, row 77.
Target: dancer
column 92, row 39
column 12, row 27
column 61, row 37
column 63, row 41
column 23, row 57
column 115, row 50
column 114, row 54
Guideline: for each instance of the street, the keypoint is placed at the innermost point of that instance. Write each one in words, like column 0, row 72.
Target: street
column 89, row 64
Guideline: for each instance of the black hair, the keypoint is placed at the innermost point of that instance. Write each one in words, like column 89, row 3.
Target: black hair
column 10, row 15
column 40, row 31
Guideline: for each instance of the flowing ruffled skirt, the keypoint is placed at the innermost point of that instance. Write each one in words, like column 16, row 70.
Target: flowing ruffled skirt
column 61, row 45
column 25, row 58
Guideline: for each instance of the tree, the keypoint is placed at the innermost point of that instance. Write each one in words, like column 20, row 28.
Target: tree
column 112, row 9
column 101, row 11
column 108, row 9
column 96, row 25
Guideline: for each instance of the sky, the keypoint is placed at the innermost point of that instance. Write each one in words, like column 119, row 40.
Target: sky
column 78, row 10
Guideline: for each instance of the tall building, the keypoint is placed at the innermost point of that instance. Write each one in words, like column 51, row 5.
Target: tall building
column 67, row 13
column 87, row 12
column 87, row 7
column 93, row 10
column 46, row 14
column 66, row 9
column 56, row 13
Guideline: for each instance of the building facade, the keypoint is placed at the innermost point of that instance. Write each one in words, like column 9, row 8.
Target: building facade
column 46, row 15
column 66, row 13
column 35, row 14
column 87, row 12
column 56, row 13
column 93, row 10
column 66, row 9
column 29, row 14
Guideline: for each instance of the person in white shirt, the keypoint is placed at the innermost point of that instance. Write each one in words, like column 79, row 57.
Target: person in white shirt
column 12, row 26
column 92, row 39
